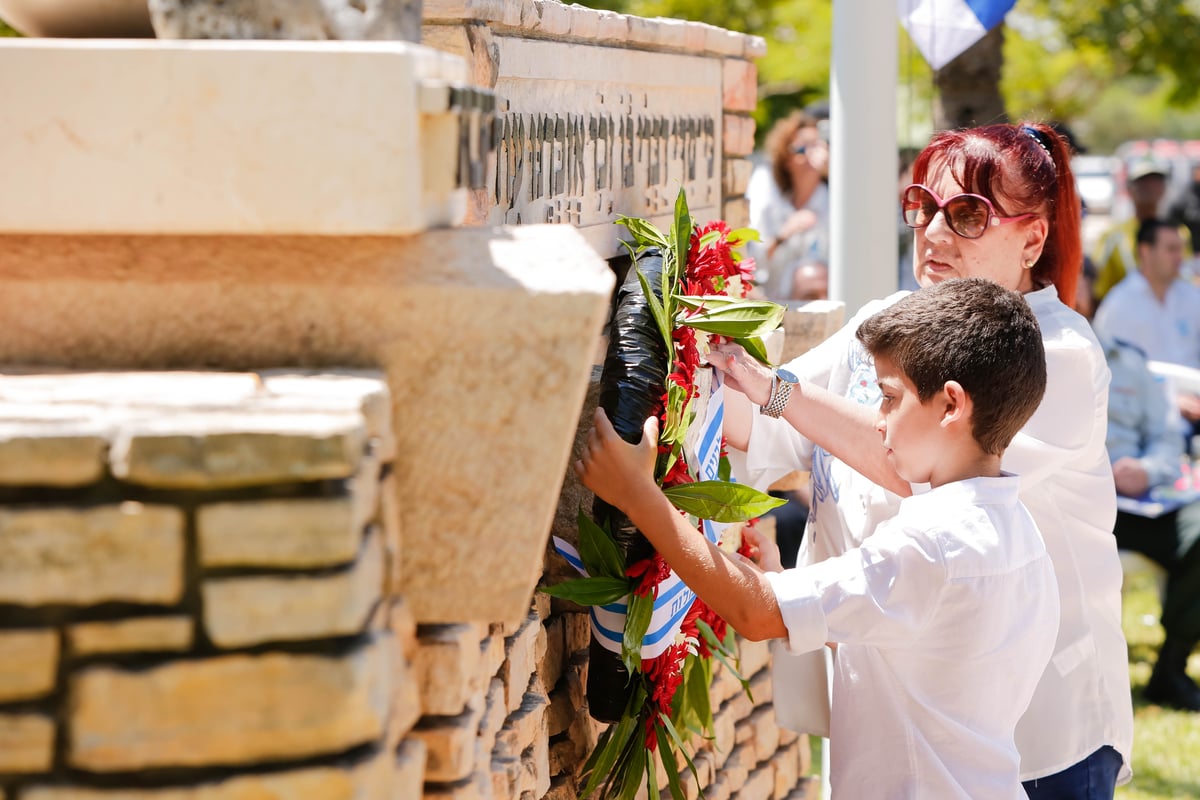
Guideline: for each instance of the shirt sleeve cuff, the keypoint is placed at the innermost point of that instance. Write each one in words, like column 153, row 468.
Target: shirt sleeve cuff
column 800, row 607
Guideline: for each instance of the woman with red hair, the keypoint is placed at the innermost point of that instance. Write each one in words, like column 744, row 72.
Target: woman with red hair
column 995, row 202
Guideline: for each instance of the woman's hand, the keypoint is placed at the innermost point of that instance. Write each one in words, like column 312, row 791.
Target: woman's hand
column 763, row 551
column 1130, row 477
column 742, row 371
column 619, row 473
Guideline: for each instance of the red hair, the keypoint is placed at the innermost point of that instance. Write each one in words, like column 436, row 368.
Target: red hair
column 1022, row 169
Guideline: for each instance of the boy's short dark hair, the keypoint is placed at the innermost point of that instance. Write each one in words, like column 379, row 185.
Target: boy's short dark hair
column 973, row 331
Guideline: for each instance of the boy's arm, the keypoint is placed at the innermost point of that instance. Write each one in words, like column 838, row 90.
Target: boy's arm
column 623, row 475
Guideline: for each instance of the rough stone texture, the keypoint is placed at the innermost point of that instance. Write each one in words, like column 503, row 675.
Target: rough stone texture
column 228, row 710
column 238, row 168
column 450, row 744
column 410, row 769
column 578, row 23
column 26, row 743
column 223, row 450
column 739, row 81
column 373, row 779
column 522, row 651
column 49, row 454
column 141, row 634
column 29, row 663
column 736, row 212
column 131, row 552
column 809, row 325
column 245, row 611
column 294, row 533
column 466, row 396
column 286, row 19
column 447, row 665
column 737, row 176
column 738, row 135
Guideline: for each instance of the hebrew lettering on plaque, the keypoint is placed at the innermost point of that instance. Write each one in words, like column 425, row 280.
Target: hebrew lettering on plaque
column 584, row 133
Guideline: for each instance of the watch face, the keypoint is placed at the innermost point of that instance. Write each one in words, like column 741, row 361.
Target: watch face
column 786, row 375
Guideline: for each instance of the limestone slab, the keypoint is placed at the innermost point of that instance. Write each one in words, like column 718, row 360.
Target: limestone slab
column 29, row 663
column 293, row 533
column 139, row 634
column 227, row 710
column 215, row 450
column 26, row 743
column 808, row 325
column 250, row 610
column 486, row 337
column 131, row 552
column 51, row 454
column 127, row 136
column 371, row 779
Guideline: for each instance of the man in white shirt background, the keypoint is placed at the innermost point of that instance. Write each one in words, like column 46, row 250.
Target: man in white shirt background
column 1155, row 310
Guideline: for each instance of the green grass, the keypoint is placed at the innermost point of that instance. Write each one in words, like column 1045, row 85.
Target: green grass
column 1166, row 743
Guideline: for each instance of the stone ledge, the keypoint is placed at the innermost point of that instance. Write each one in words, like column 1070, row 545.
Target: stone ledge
column 205, row 137
column 190, row 429
column 552, row 19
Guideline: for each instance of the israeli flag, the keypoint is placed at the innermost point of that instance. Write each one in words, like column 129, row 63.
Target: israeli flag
column 942, row 29
column 674, row 597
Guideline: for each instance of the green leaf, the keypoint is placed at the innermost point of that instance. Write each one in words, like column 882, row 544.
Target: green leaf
column 633, row 773
column 755, row 347
column 599, row 552
column 724, row 469
column 643, row 232
column 742, row 235
column 620, row 735
column 699, row 301
column 720, row 501
column 666, row 722
column 595, row 591
column 697, row 695
column 739, row 321
column 637, row 619
column 656, row 309
column 682, row 231
column 670, row 765
column 708, row 239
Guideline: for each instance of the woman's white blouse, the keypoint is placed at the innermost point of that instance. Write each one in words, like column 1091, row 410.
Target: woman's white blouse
column 1083, row 701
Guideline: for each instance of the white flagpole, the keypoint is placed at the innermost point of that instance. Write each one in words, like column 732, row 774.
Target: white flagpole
column 863, row 160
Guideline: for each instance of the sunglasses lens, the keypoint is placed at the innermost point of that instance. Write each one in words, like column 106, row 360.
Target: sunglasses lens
column 918, row 206
column 800, row 149
column 967, row 216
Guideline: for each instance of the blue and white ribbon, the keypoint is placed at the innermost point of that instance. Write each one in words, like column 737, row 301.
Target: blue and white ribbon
column 943, row 29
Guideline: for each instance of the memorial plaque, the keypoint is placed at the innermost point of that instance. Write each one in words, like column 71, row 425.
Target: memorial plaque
column 585, row 133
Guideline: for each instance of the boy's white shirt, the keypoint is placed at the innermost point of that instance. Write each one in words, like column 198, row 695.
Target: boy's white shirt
column 945, row 618
column 1083, row 701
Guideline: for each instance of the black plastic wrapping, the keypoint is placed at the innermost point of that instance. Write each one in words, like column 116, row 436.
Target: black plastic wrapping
column 631, row 390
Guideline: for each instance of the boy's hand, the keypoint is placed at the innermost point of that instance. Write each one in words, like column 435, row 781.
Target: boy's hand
column 618, row 472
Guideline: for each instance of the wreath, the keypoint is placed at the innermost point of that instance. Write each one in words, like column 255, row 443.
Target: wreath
column 653, row 640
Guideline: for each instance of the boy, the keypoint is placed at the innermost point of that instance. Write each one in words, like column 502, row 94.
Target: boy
column 946, row 617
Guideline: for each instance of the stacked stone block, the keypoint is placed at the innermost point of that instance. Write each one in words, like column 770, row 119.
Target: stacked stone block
column 198, row 592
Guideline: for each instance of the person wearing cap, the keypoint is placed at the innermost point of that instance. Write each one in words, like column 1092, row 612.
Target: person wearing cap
column 1116, row 254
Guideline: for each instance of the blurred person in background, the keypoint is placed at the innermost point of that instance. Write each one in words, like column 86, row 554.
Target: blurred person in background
column 794, row 223
column 1185, row 210
column 1116, row 253
column 1155, row 310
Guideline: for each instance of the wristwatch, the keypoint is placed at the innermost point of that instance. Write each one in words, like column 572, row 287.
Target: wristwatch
column 782, row 382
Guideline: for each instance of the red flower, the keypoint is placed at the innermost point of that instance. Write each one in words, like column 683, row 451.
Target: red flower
column 651, row 571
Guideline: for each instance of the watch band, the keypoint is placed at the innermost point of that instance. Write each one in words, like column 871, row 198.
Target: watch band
column 781, row 392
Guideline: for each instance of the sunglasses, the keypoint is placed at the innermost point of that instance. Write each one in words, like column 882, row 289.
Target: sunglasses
column 968, row 215
column 800, row 149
